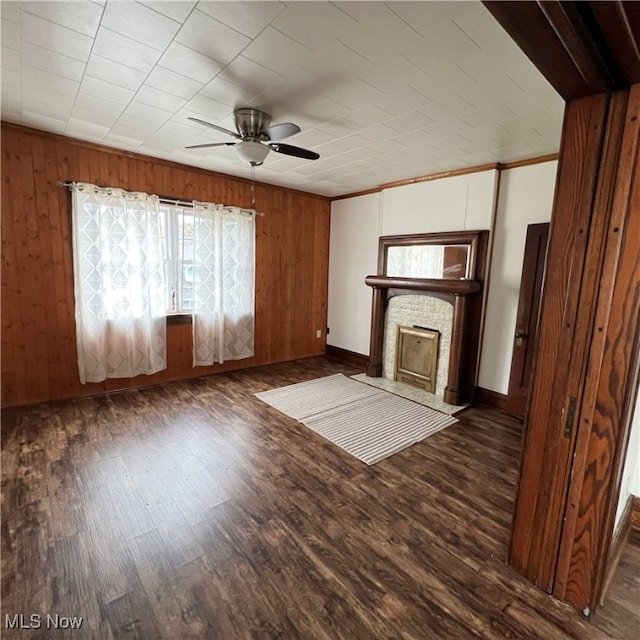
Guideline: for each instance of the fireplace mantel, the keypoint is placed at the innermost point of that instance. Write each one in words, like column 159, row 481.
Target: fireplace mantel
column 425, row 285
column 465, row 294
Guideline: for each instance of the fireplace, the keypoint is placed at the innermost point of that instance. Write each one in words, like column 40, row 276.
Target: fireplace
column 418, row 311
column 416, row 361
column 429, row 277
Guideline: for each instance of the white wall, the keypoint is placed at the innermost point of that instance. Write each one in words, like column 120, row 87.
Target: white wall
column 448, row 204
column 353, row 255
column 526, row 197
column 630, row 484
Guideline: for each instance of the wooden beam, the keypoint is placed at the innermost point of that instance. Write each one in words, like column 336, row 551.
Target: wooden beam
column 581, row 48
column 619, row 23
column 529, row 27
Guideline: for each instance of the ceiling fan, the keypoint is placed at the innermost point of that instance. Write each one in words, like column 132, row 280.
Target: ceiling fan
column 257, row 136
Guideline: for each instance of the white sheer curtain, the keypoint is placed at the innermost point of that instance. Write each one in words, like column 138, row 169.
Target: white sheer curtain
column 224, row 283
column 119, row 283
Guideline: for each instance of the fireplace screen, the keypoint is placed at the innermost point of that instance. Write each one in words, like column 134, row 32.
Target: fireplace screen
column 417, row 357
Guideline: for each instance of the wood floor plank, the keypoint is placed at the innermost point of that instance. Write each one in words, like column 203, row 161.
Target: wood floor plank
column 193, row 510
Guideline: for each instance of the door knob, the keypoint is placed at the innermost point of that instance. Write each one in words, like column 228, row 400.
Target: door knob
column 520, row 335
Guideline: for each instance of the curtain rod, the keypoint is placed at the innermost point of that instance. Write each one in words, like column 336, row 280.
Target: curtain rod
column 181, row 203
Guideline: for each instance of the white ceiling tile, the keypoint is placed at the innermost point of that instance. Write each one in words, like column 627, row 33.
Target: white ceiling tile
column 36, row 99
column 52, row 62
column 156, row 98
column 160, row 142
column 97, row 105
column 449, row 107
column 401, row 101
column 247, row 73
column 140, row 23
column 338, row 128
column 101, row 118
column 130, row 53
column 181, row 59
column 10, row 33
column 313, row 137
column 409, row 122
column 92, row 129
column 152, row 114
column 44, row 121
column 207, row 109
column 173, row 83
column 124, row 138
column 314, row 24
column 54, row 106
column 9, row 10
column 248, row 18
column 449, row 127
column 182, row 129
column 212, row 38
column 393, row 74
column 233, row 95
column 378, row 132
column 444, row 78
column 278, row 52
column 106, row 91
column 81, row 17
column 114, row 72
column 48, row 81
column 177, row 11
column 11, row 103
column 10, row 59
column 142, row 126
column 352, row 93
column 486, row 115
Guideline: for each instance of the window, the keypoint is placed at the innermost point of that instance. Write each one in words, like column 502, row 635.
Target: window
column 137, row 260
column 177, row 237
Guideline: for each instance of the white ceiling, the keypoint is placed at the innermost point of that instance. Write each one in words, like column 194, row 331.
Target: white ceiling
column 382, row 91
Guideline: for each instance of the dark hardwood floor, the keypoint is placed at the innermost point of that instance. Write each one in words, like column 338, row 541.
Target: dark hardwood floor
column 193, row 510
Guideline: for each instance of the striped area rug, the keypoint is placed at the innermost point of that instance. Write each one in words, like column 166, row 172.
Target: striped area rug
column 369, row 423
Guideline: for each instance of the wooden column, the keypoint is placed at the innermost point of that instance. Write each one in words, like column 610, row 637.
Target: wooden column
column 455, row 391
column 376, row 342
column 586, row 368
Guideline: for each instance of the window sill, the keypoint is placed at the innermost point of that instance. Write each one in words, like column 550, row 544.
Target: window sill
column 178, row 318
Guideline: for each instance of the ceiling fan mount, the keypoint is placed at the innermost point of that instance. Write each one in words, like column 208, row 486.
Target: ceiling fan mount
column 252, row 123
column 256, row 137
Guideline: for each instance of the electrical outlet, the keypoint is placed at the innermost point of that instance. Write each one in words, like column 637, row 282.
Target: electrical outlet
column 319, row 333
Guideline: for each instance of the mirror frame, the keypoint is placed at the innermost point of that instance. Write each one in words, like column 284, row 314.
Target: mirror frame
column 451, row 238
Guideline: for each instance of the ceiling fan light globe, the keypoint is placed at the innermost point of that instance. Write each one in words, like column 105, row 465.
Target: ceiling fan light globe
column 252, row 152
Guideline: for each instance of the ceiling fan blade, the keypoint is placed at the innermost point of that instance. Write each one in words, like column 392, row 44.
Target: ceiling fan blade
column 290, row 150
column 214, row 126
column 281, row 131
column 212, row 144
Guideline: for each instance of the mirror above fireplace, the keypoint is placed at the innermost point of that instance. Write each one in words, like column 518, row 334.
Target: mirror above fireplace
column 448, row 256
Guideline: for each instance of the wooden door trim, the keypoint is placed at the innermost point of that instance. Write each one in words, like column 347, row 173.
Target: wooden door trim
column 589, row 351
column 544, row 471
column 612, row 371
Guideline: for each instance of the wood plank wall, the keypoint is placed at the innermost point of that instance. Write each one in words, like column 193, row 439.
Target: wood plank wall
column 38, row 357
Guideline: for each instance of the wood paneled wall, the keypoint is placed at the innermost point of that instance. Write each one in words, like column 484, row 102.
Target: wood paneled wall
column 39, row 360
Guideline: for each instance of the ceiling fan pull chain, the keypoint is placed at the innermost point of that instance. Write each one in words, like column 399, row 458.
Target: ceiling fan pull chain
column 253, row 186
